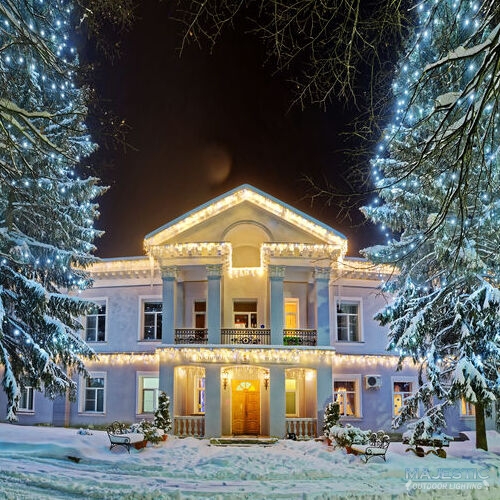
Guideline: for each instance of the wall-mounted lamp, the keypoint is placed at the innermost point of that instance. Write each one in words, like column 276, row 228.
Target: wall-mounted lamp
column 266, row 381
column 225, row 378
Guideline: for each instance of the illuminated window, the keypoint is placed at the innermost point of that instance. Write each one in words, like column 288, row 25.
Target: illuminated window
column 26, row 400
column 291, row 397
column 199, row 397
column 95, row 325
column 245, row 313
column 345, row 394
column 467, row 409
column 148, row 393
column 200, row 313
column 291, row 314
column 402, row 390
column 348, row 321
column 152, row 320
column 93, row 393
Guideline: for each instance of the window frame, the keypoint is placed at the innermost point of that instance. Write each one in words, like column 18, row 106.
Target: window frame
column 27, row 409
column 83, row 392
column 101, row 301
column 247, row 313
column 404, row 380
column 358, row 301
column 295, row 301
column 143, row 300
column 470, row 409
column 350, row 377
column 199, row 313
column 140, row 376
column 199, row 390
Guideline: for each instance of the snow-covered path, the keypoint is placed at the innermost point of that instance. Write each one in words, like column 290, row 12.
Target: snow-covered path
column 34, row 464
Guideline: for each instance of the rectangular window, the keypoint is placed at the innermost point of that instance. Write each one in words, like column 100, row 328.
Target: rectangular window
column 200, row 313
column 152, row 320
column 245, row 313
column 467, row 409
column 148, row 393
column 348, row 321
column 291, row 397
column 26, row 401
column 199, row 396
column 401, row 391
column 345, row 394
column 95, row 325
column 94, row 394
column 291, row 314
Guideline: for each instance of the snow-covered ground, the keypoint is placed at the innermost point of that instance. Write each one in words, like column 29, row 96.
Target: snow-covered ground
column 34, row 464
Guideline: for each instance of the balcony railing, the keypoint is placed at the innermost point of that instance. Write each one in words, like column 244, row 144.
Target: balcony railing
column 254, row 336
column 300, row 337
column 303, row 428
column 189, row 426
column 191, row 336
column 233, row 336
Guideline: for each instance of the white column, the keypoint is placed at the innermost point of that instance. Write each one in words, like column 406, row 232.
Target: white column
column 324, row 393
column 168, row 276
column 322, row 280
column 277, row 408
column 276, row 276
column 213, row 424
column 166, row 384
column 214, row 274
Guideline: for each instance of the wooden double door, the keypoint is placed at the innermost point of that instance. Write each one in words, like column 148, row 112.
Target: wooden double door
column 246, row 407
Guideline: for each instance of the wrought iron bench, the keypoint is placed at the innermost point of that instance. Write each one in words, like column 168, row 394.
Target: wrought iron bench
column 119, row 436
column 376, row 447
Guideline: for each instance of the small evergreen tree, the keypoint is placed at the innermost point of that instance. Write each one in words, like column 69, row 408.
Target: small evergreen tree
column 162, row 418
column 331, row 417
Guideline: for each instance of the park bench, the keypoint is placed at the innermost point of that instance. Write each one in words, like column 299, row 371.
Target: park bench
column 376, row 446
column 119, row 436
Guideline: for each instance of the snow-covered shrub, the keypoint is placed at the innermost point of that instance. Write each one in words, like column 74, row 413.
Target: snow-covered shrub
column 150, row 431
column 348, row 435
column 331, row 417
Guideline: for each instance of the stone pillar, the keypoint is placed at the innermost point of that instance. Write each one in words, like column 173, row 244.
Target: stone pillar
column 277, row 408
column 214, row 274
column 322, row 280
column 180, row 308
column 168, row 276
column 213, row 423
column 166, row 384
column 276, row 275
column 324, row 393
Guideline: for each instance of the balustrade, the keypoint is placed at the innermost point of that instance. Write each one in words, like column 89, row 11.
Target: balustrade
column 303, row 428
column 189, row 426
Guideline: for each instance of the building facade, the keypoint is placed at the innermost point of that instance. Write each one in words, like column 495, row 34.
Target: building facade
column 249, row 315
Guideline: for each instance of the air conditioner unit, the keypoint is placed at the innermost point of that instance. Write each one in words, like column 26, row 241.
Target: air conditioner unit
column 373, row 381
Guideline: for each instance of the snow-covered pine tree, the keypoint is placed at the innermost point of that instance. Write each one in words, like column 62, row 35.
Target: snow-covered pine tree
column 46, row 200
column 438, row 180
column 162, row 418
column 331, row 417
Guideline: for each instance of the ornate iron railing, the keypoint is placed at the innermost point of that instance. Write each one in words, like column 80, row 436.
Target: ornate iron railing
column 302, row 428
column 189, row 426
column 233, row 336
column 300, row 337
column 191, row 336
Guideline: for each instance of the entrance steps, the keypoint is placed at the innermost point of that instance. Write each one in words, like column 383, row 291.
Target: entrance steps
column 243, row 441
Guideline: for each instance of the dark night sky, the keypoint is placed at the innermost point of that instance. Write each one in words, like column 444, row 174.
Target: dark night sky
column 201, row 125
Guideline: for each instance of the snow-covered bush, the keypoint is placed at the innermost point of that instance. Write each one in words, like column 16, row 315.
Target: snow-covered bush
column 348, row 435
column 331, row 417
column 149, row 430
column 162, row 418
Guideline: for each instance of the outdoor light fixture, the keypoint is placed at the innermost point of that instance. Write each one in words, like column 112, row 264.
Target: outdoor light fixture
column 266, row 381
column 225, row 377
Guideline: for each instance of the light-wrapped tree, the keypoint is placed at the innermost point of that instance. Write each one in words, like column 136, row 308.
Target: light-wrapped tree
column 47, row 207
column 438, row 183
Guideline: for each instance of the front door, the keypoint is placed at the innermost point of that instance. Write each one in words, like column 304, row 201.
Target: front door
column 246, row 407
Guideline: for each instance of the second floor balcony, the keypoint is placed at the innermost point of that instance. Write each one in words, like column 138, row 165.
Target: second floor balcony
column 246, row 336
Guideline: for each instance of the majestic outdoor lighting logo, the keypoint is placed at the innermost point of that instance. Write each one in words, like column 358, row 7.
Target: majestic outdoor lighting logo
column 423, row 478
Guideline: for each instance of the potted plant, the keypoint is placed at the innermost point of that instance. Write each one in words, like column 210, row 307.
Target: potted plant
column 162, row 418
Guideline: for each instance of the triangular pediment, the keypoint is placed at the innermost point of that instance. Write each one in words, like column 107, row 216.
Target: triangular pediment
column 246, row 205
